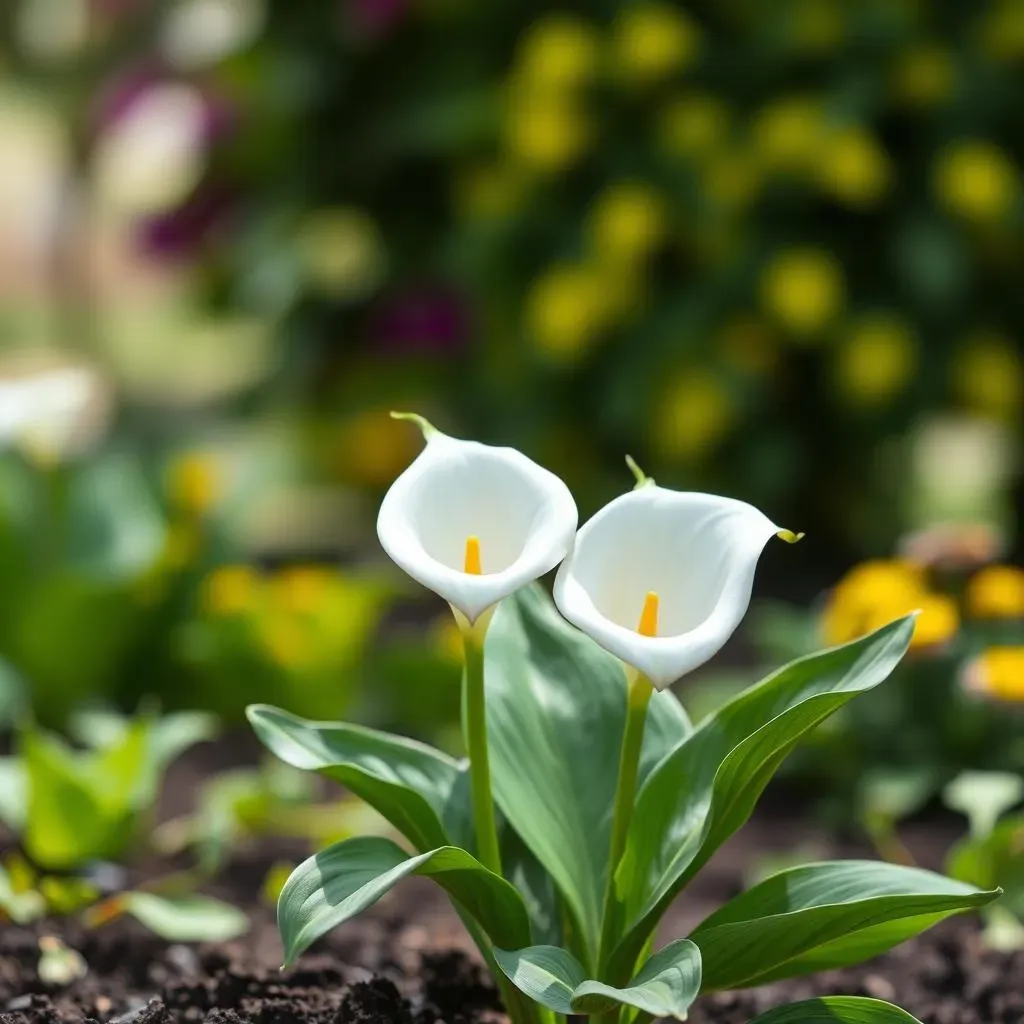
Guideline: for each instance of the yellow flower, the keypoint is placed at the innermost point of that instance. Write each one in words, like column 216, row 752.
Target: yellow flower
column 694, row 413
column 627, row 222
column 924, row 76
column 231, row 590
column 490, row 192
column 854, row 168
column 652, row 40
column 938, row 622
column 373, row 447
column 559, row 51
column 565, row 311
column 287, row 641
column 303, row 588
column 977, row 181
column 892, row 586
column 988, row 373
column 342, row 252
column 996, row 592
column 694, row 125
column 803, row 289
column 876, row 361
column 543, row 132
column 788, row 134
column 732, row 179
column 876, row 593
column 750, row 345
column 194, row 482
column 998, row 672
column 1001, row 32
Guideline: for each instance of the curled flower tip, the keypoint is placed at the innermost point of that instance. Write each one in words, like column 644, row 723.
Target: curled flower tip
column 642, row 479
column 426, row 427
column 790, row 537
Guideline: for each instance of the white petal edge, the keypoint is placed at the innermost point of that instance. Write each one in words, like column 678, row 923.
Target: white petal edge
column 625, row 525
column 547, row 538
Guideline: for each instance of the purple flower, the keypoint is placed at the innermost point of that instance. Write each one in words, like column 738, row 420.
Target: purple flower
column 375, row 18
column 424, row 321
column 180, row 233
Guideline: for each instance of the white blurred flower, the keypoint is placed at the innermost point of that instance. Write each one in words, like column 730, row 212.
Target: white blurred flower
column 198, row 33
column 153, row 156
column 54, row 413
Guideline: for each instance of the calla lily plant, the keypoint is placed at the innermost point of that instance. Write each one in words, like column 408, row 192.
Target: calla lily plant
column 589, row 801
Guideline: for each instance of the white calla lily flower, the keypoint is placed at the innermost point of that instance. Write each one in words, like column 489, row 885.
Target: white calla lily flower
column 662, row 578
column 474, row 523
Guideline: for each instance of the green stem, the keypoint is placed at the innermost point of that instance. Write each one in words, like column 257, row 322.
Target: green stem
column 476, row 746
column 639, row 696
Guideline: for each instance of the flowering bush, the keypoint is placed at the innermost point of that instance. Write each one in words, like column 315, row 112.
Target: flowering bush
column 589, row 801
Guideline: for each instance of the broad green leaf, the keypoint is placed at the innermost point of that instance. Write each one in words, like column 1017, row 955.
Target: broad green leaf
column 706, row 788
column 984, row 797
column 837, row 1010
column 190, row 919
column 339, row 882
column 665, row 986
column 80, row 804
column 821, row 916
column 556, row 708
column 421, row 791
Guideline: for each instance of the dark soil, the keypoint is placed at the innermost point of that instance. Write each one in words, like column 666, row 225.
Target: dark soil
column 407, row 961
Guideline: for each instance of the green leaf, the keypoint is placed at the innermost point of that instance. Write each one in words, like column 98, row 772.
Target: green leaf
column 996, row 859
column 837, row 1010
column 344, row 879
column 421, row 791
column 20, row 906
column 983, row 797
column 665, row 986
column 556, row 709
column 115, row 526
column 706, row 788
column 821, row 916
column 80, row 804
column 190, row 919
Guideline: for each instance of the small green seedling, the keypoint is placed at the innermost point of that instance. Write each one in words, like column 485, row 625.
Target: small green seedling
column 567, row 932
column 992, row 853
column 75, row 807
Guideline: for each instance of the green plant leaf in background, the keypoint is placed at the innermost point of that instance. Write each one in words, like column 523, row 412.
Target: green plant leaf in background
column 13, row 793
column 556, row 708
column 996, row 859
column 115, row 526
column 703, row 791
column 421, row 791
column 339, row 882
column 665, row 986
column 837, row 1010
column 822, row 916
column 186, row 919
column 983, row 797
column 80, row 804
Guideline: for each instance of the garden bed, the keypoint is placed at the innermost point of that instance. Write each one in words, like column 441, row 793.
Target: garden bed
column 409, row 961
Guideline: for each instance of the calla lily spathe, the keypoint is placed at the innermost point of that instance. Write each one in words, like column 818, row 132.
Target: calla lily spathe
column 662, row 578
column 474, row 523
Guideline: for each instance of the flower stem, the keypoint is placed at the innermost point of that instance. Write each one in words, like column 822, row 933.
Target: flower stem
column 476, row 746
column 639, row 696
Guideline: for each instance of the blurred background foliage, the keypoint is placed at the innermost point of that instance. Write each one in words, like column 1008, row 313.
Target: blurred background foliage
column 772, row 250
